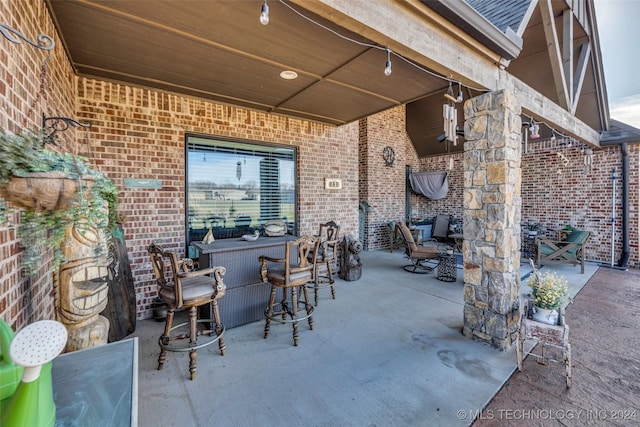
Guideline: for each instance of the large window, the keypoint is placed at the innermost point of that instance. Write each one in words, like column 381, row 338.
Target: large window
column 235, row 187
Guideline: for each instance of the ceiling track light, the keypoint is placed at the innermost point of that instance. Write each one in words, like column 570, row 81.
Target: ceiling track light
column 387, row 66
column 264, row 13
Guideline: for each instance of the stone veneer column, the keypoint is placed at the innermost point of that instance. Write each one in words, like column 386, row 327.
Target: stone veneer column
column 492, row 204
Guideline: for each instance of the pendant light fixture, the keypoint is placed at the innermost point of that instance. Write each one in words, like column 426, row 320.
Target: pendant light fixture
column 387, row 67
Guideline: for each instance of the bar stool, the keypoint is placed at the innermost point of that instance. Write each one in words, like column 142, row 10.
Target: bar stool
column 181, row 287
column 326, row 255
column 292, row 272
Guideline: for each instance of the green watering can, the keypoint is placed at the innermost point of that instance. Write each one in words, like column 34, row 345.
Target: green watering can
column 10, row 373
column 25, row 363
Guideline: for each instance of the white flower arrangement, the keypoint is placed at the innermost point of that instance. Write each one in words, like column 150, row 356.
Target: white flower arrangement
column 548, row 290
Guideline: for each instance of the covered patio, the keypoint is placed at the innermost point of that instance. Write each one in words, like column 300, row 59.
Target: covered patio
column 388, row 351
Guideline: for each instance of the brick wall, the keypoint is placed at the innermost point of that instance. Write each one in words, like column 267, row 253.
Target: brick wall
column 141, row 133
column 557, row 190
column 384, row 187
column 25, row 94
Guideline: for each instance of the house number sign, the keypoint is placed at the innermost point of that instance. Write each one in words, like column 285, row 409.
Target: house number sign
column 333, row 184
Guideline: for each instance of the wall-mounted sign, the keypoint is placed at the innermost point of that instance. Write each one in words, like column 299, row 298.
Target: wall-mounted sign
column 333, row 184
column 142, row 183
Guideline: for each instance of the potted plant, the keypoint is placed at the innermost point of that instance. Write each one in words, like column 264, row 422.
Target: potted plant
column 52, row 191
column 548, row 291
column 533, row 229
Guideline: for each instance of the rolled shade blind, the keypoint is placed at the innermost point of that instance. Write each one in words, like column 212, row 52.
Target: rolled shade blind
column 433, row 185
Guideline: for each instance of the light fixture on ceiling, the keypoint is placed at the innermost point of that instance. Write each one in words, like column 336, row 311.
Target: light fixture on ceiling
column 460, row 97
column 553, row 135
column 387, row 66
column 264, row 13
column 288, row 75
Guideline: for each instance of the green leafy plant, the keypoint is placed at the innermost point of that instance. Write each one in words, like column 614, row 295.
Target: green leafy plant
column 94, row 203
column 548, row 289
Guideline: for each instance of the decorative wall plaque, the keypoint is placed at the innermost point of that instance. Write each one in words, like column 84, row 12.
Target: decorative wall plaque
column 389, row 156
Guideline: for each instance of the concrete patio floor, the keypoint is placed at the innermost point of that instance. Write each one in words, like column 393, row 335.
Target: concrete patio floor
column 387, row 352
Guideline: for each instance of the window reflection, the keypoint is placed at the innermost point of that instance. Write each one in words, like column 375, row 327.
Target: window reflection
column 234, row 187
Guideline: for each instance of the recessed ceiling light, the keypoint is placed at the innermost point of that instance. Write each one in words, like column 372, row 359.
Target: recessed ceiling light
column 289, row 75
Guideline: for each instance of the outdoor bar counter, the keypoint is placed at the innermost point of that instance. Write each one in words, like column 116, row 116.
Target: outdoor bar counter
column 246, row 296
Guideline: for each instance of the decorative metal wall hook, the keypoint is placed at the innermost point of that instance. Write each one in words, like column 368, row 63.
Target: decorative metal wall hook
column 59, row 124
column 44, row 42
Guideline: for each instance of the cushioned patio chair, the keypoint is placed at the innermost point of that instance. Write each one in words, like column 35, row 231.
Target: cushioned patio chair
column 570, row 250
column 418, row 255
column 440, row 230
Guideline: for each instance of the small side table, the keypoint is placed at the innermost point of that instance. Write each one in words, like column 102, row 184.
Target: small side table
column 447, row 269
column 528, row 246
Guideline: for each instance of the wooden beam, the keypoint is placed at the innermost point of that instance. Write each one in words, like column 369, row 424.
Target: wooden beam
column 541, row 108
column 567, row 52
column 553, row 48
column 581, row 71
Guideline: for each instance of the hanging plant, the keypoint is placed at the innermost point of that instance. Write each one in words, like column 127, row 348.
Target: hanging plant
column 52, row 191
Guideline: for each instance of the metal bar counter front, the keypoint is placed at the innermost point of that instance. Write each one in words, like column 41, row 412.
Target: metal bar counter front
column 246, row 296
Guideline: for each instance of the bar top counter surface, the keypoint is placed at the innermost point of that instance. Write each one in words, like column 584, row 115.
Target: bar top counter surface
column 225, row 245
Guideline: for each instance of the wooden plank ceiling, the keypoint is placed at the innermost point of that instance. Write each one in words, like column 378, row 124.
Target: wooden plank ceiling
column 218, row 50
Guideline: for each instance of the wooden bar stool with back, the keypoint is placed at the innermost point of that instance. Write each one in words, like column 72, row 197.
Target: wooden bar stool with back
column 183, row 288
column 325, row 257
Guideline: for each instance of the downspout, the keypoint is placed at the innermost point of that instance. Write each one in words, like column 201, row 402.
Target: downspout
column 624, row 256
column 624, row 149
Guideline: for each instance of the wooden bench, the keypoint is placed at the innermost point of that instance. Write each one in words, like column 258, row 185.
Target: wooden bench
column 568, row 250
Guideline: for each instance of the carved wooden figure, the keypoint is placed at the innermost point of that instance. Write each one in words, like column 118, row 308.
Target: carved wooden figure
column 81, row 288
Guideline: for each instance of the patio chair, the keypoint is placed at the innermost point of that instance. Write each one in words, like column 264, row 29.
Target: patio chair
column 440, row 230
column 182, row 288
column 325, row 257
column 395, row 240
column 416, row 254
column 570, row 250
column 291, row 273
